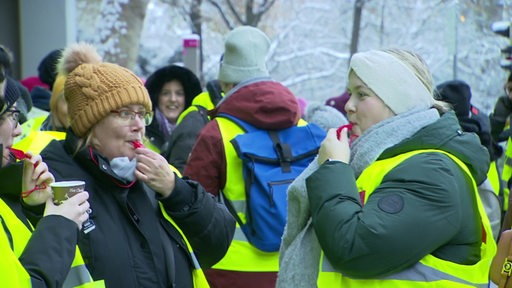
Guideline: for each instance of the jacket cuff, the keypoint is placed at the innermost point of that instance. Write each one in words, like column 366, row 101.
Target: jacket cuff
column 181, row 198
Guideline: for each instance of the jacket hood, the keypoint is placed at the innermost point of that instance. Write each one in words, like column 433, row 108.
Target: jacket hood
column 187, row 78
column 264, row 103
column 447, row 135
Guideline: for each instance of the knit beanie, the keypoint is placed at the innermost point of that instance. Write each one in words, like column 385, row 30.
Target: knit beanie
column 339, row 102
column 325, row 116
column 47, row 69
column 392, row 80
column 458, row 94
column 10, row 95
column 94, row 88
column 245, row 51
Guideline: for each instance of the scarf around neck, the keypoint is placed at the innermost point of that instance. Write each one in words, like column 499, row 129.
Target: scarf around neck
column 166, row 127
column 367, row 147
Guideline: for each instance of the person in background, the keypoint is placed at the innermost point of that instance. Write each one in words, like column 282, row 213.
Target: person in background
column 501, row 132
column 41, row 130
column 47, row 73
column 410, row 167
column 339, row 102
column 458, row 94
column 323, row 115
column 57, row 119
column 24, row 103
column 148, row 227
column 171, row 89
column 27, row 249
column 252, row 96
column 190, row 123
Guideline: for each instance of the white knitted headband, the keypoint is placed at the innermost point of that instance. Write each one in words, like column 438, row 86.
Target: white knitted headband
column 391, row 80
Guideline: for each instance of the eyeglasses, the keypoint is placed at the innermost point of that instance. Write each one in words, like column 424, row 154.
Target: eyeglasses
column 13, row 114
column 129, row 115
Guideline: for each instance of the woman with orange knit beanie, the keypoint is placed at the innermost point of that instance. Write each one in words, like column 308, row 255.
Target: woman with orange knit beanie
column 148, row 227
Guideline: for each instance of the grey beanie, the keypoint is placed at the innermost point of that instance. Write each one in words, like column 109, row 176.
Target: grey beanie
column 245, row 52
column 325, row 116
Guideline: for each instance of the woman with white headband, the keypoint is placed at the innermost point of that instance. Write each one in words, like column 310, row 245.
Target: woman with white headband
column 397, row 206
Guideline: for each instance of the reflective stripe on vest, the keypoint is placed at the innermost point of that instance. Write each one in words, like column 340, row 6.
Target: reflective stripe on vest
column 241, row 255
column 429, row 271
column 78, row 276
column 197, row 273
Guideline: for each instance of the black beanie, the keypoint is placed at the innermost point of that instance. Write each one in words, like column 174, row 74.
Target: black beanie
column 458, row 94
column 47, row 68
column 11, row 95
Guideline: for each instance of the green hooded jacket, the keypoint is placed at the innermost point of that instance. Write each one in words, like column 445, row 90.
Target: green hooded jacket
column 423, row 206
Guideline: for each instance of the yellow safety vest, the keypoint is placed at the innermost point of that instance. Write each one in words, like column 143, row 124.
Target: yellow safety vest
column 197, row 273
column 36, row 141
column 203, row 100
column 429, row 271
column 506, row 174
column 33, row 124
column 12, row 273
column 494, row 177
column 241, row 255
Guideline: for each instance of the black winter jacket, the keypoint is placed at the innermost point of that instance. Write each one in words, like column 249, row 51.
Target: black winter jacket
column 40, row 249
column 132, row 244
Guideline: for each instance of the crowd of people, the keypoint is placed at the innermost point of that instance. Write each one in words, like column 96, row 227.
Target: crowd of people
column 410, row 186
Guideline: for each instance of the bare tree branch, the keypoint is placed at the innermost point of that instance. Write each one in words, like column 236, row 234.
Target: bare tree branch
column 222, row 14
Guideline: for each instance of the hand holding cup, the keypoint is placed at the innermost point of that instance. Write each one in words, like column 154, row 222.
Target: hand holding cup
column 75, row 209
column 63, row 190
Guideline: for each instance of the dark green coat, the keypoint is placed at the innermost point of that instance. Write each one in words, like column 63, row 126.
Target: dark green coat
column 423, row 206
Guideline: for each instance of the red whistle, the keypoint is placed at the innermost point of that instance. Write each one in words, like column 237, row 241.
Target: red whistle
column 338, row 131
column 18, row 154
column 137, row 144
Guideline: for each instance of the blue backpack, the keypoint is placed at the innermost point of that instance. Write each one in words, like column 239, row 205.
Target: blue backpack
column 271, row 160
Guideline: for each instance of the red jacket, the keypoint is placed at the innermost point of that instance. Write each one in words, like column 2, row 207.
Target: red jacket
column 265, row 104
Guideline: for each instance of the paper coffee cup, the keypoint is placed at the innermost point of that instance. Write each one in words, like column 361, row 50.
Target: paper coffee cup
column 63, row 190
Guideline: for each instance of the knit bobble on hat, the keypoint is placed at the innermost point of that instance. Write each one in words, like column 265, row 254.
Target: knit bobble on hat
column 94, row 88
column 245, row 53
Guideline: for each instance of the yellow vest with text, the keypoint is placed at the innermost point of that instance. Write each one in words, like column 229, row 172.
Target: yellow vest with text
column 429, row 271
column 197, row 273
column 241, row 255
column 12, row 273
